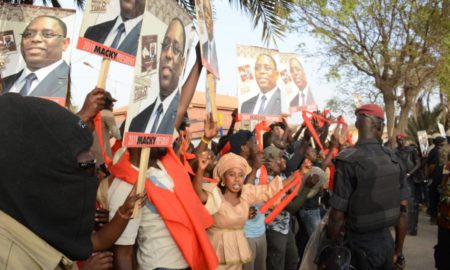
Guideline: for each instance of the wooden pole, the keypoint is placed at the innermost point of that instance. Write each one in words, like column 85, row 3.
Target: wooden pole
column 140, row 184
column 104, row 69
column 212, row 94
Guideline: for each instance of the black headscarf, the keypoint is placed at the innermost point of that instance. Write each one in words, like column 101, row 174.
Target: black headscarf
column 238, row 139
column 41, row 183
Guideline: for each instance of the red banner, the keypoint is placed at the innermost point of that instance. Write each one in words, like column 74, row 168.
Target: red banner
column 137, row 139
column 105, row 51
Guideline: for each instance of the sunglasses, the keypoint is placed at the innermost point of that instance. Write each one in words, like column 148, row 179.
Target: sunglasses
column 88, row 166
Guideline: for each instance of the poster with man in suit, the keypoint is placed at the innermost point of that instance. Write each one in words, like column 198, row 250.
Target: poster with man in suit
column 259, row 96
column 40, row 67
column 206, row 36
column 297, row 88
column 154, row 101
column 112, row 29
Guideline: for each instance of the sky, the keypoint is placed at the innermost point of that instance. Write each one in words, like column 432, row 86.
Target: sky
column 232, row 27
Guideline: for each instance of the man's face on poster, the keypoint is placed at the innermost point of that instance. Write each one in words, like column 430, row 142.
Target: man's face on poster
column 297, row 73
column 208, row 18
column 43, row 42
column 171, row 61
column 266, row 73
column 130, row 9
column 7, row 39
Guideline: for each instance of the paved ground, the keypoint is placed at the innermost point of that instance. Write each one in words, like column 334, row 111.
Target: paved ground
column 418, row 250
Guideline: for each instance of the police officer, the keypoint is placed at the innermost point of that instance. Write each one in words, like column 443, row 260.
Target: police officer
column 369, row 197
column 411, row 161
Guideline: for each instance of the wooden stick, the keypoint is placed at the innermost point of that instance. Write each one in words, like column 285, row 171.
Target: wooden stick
column 140, row 185
column 104, row 69
column 212, row 94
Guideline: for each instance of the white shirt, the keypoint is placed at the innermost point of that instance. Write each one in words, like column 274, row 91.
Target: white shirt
column 166, row 104
column 129, row 25
column 41, row 74
column 305, row 92
column 268, row 97
column 156, row 247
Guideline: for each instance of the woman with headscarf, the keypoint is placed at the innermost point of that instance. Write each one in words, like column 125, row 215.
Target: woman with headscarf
column 229, row 203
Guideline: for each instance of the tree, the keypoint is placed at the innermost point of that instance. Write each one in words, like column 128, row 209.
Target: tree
column 393, row 42
column 271, row 14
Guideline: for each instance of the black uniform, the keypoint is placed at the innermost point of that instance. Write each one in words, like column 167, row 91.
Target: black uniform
column 408, row 155
column 369, row 185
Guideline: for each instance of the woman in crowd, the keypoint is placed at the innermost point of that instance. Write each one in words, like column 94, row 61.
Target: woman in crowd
column 229, row 203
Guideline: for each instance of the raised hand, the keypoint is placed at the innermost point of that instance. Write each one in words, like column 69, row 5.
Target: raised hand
column 126, row 210
column 203, row 161
column 210, row 128
column 93, row 103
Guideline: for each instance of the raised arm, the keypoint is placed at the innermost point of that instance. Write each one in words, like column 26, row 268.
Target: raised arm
column 203, row 162
column 210, row 130
column 188, row 88
column 111, row 231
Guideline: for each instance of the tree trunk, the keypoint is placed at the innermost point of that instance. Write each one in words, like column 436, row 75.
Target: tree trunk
column 405, row 109
column 389, row 103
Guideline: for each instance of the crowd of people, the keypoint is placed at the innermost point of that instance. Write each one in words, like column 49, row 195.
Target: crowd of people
column 251, row 200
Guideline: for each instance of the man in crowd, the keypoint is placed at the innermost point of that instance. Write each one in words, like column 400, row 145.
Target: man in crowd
column 47, row 190
column 434, row 169
column 411, row 160
column 378, row 174
column 268, row 101
column 46, row 74
column 159, row 117
column 121, row 33
column 209, row 47
column 304, row 96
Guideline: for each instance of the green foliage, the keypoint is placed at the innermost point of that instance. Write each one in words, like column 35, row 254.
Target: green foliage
column 396, row 43
column 426, row 120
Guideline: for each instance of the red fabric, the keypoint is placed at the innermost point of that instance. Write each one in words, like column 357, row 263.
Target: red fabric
column 371, row 110
column 297, row 182
column 259, row 129
column 225, row 149
column 181, row 210
column 401, row 136
column 263, row 176
column 322, row 119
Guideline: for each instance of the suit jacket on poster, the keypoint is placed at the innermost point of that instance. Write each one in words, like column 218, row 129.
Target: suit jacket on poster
column 99, row 32
column 167, row 122
column 213, row 61
column 273, row 107
column 54, row 85
column 309, row 99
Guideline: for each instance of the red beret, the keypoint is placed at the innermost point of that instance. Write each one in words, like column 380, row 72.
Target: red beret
column 370, row 110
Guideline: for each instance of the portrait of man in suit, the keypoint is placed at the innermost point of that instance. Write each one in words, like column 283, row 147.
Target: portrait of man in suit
column 304, row 96
column 46, row 74
column 159, row 117
column 121, row 33
column 209, row 47
column 268, row 101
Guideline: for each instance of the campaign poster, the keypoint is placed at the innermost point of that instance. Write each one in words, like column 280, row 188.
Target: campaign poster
column 205, row 25
column 260, row 96
column 295, row 83
column 35, row 50
column 154, row 99
column 110, row 29
column 422, row 136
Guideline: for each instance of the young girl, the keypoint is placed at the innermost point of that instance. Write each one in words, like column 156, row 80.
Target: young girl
column 229, row 203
